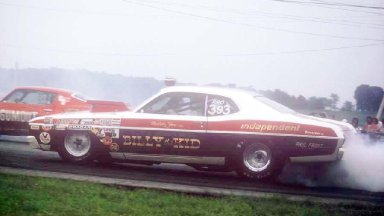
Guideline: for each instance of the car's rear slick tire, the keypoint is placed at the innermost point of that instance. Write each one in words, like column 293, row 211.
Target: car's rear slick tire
column 258, row 161
column 77, row 147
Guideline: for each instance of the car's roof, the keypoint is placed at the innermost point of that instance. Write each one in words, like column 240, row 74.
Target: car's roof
column 229, row 92
column 46, row 89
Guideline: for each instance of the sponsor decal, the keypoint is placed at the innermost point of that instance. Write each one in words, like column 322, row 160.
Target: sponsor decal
column 270, row 127
column 48, row 120
column 86, row 121
column 18, row 116
column 63, row 100
column 218, row 107
column 46, row 128
column 116, row 121
column 102, row 132
column 45, row 137
column 112, row 131
column 99, row 132
column 35, row 127
column 310, row 145
column 160, row 141
column 314, row 133
column 66, row 121
column 114, row 147
column 60, row 127
column 107, row 140
column 162, row 124
column 107, row 122
column 79, row 127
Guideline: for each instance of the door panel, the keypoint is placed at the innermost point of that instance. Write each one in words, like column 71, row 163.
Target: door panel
column 163, row 134
column 172, row 123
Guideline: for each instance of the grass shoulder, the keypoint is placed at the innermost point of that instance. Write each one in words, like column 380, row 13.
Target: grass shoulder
column 23, row 195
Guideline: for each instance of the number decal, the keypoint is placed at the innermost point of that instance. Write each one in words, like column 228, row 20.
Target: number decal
column 219, row 107
column 212, row 109
column 227, row 109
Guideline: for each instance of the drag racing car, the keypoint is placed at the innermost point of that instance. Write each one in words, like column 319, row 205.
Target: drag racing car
column 207, row 128
column 24, row 103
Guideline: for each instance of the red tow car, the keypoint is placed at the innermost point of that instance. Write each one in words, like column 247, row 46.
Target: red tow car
column 24, row 103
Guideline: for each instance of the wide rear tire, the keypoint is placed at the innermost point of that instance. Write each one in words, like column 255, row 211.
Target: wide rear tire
column 258, row 161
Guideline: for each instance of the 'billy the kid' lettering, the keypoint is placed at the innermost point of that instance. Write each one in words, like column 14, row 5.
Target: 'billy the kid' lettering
column 159, row 141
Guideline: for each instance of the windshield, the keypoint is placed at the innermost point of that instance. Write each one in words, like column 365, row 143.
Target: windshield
column 273, row 104
column 26, row 96
column 81, row 97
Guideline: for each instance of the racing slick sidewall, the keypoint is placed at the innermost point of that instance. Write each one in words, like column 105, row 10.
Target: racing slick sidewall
column 258, row 160
column 79, row 146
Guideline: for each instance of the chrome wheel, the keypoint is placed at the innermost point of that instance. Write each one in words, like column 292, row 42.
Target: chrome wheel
column 257, row 157
column 77, row 144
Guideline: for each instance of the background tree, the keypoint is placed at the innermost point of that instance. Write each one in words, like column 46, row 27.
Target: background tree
column 334, row 100
column 301, row 103
column 361, row 97
column 347, row 106
column 376, row 95
column 368, row 98
column 317, row 103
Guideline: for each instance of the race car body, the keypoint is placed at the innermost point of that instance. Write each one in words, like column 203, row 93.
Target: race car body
column 25, row 103
column 203, row 127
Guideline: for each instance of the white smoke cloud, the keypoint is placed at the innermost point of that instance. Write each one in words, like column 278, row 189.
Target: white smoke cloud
column 362, row 167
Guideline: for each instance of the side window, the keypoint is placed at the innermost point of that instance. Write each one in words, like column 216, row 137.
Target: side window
column 219, row 106
column 30, row 97
column 14, row 97
column 191, row 104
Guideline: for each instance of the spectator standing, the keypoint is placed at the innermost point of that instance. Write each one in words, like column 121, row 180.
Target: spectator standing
column 375, row 127
column 367, row 126
column 355, row 122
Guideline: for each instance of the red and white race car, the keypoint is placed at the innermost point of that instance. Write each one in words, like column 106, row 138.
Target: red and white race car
column 25, row 103
column 204, row 127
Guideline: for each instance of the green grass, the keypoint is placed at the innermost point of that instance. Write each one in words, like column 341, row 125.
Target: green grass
column 22, row 195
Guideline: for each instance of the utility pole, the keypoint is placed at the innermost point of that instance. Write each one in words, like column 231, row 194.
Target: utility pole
column 380, row 111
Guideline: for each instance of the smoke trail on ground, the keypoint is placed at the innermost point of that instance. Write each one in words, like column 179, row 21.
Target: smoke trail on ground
column 362, row 167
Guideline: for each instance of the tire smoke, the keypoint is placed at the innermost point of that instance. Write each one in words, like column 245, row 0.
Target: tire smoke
column 362, row 167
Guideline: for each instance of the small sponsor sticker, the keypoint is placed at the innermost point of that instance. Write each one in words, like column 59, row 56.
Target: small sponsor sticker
column 114, row 147
column 35, row 127
column 46, row 128
column 60, row 127
column 66, row 121
column 107, row 122
column 98, row 132
column 63, row 100
column 79, row 127
column 310, row 145
column 48, row 120
column 45, row 137
column 107, row 140
column 86, row 121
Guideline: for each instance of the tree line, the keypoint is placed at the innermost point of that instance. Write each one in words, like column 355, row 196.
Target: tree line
column 301, row 102
column 368, row 99
column 135, row 89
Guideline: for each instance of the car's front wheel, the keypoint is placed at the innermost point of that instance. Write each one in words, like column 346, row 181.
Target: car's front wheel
column 258, row 161
column 77, row 147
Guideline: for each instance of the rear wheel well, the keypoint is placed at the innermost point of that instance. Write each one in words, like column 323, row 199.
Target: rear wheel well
column 258, row 159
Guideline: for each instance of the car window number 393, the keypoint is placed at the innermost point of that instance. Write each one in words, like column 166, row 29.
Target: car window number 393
column 219, row 107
